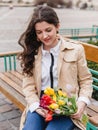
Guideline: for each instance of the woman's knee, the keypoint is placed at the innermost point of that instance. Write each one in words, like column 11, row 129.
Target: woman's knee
column 34, row 122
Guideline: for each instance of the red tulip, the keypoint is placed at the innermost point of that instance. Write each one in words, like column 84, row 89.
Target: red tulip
column 45, row 101
column 49, row 116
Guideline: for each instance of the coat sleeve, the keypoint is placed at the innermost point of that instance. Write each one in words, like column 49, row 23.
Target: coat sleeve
column 84, row 76
column 30, row 91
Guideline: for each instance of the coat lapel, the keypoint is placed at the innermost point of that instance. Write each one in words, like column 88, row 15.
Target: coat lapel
column 38, row 71
column 60, row 60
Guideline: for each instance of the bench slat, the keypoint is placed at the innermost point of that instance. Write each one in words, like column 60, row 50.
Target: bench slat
column 17, row 74
column 11, row 82
column 13, row 78
column 90, row 112
column 13, row 95
column 93, row 107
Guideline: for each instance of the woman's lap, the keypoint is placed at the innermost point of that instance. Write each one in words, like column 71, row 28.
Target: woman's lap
column 60, row 123
column 36, row 122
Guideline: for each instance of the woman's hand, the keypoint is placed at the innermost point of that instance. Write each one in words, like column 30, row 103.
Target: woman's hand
column 81, row 107
column 42, row 112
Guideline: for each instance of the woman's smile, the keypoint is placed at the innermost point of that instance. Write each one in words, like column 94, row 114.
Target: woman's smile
column 47, row 34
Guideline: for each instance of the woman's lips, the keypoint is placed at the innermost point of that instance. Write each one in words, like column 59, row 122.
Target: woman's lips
column 47, row 40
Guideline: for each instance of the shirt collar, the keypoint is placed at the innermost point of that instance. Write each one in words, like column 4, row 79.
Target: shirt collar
column 53, row 50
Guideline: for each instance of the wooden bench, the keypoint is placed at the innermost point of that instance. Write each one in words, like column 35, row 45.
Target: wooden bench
column 11, row 77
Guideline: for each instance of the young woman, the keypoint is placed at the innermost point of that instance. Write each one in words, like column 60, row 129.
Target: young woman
column 50, row 60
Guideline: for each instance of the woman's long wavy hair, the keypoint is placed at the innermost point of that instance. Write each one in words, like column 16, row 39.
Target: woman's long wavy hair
column 28, row 39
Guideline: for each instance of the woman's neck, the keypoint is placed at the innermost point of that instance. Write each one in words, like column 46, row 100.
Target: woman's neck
column 52, row 46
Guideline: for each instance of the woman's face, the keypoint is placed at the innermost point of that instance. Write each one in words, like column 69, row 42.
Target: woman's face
column 47, row 34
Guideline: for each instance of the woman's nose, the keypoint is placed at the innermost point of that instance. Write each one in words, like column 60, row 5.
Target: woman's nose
column 45, row 35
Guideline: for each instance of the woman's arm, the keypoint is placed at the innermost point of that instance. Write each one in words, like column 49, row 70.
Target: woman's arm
column 30, row 92
column 84, row 77
column 85, row 84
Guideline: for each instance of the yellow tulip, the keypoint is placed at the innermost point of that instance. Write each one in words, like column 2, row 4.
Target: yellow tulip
column 49, row 91
column 61, row 102
column 62, row 93
column 46, row 92
column 53, row 106
column 54, row 97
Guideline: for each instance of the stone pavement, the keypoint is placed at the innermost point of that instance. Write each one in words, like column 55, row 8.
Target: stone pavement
column 9, row 114
column 12, row 23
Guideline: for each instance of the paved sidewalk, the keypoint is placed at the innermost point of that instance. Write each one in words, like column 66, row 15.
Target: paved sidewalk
column 9, row 114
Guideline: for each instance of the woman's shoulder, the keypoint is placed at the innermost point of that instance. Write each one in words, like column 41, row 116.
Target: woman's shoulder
column 70, row 43
column 76, row 44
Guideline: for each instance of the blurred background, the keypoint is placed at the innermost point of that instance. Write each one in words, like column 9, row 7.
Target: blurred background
column 81, row 4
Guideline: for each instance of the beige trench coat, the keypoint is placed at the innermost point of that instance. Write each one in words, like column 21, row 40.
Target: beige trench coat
column 72, row 70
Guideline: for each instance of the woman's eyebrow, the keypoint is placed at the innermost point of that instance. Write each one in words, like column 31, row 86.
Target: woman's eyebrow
column 45, row 29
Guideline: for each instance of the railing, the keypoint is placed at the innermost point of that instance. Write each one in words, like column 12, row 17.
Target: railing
column 9, row 61
column 95, row 80
column 80, row 33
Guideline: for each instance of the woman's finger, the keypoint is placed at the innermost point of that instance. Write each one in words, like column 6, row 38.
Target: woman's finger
column 42, row 112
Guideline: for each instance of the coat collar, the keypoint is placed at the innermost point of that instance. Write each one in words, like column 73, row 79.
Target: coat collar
column 66, row 44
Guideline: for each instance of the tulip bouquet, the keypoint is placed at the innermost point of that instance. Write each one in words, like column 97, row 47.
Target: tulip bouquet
column 57, row 103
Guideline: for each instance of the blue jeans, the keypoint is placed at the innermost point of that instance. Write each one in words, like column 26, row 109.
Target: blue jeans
column 36, row 122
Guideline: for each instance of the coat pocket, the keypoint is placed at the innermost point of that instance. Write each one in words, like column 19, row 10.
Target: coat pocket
column 70, row 59
column 70, row 67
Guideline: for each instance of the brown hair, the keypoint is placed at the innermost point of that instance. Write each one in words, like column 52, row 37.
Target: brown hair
column 28, row 39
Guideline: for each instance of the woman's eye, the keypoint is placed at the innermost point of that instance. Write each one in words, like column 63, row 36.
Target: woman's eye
column 38, row 32
column 48, row 30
